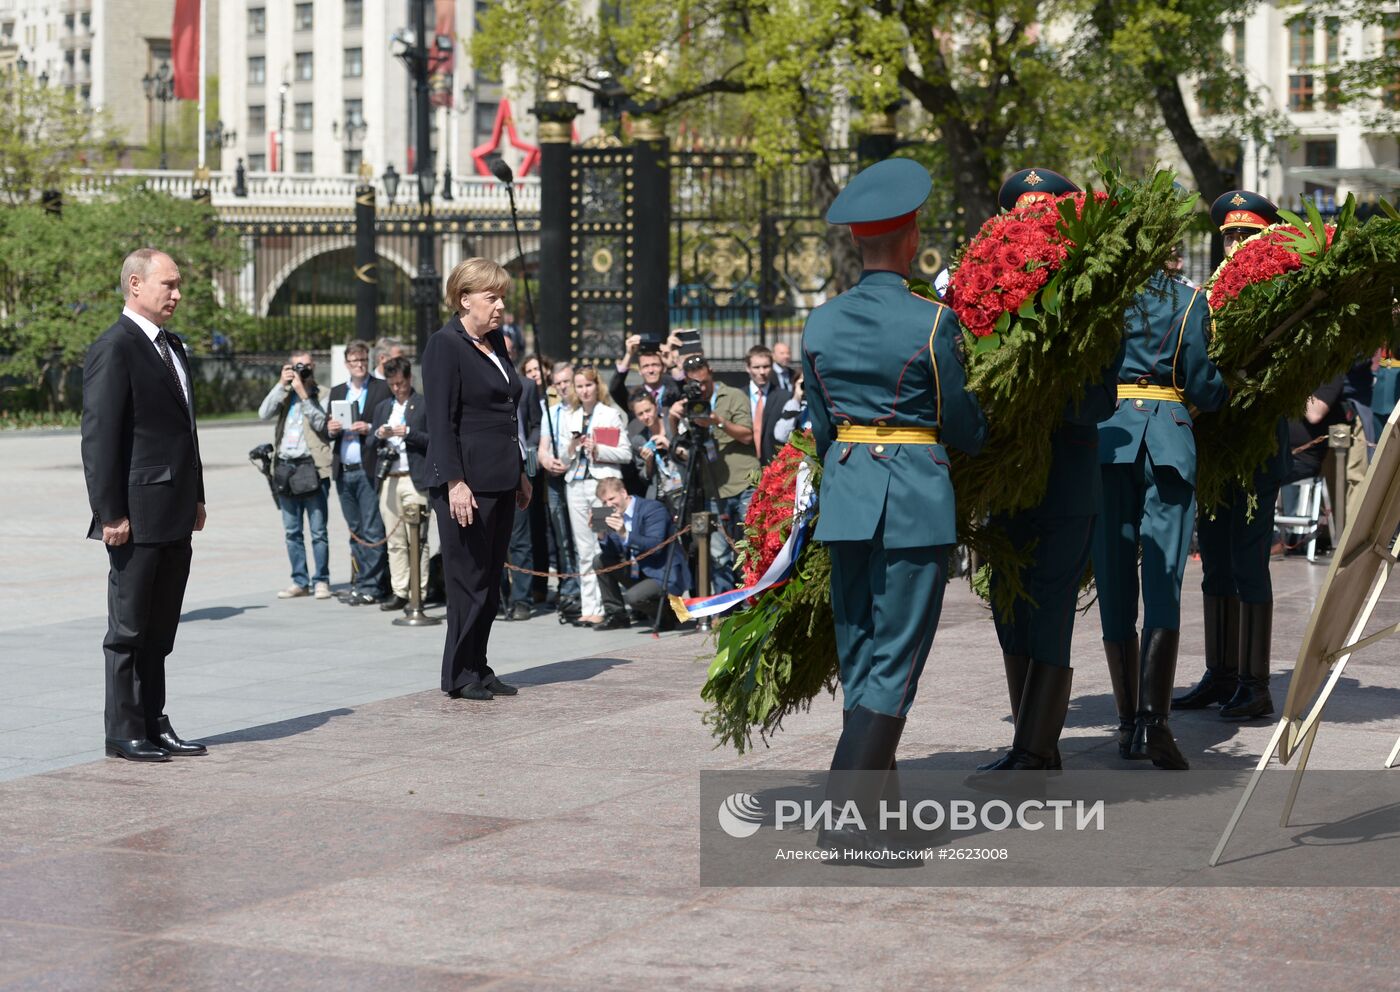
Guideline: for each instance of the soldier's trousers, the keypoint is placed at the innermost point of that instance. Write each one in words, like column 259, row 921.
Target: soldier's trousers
column 1235, row 549
column 1152, row 506
column 887, row 603
column 1041, row 625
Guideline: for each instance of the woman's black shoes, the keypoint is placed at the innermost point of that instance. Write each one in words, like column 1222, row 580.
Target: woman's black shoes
column 499, row 688
column 472, row 692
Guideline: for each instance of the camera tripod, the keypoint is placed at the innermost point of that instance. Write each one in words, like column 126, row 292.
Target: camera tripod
column 697, row 465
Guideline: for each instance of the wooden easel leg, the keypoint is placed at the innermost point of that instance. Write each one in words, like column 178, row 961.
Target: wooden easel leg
column 1394, row 753
column 1298, row 775
column 1249, row 791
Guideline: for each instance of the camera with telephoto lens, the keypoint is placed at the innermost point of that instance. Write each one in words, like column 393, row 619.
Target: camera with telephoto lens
column 388, row 459
column 696, row 435
column 303, row 370
column 696, row 405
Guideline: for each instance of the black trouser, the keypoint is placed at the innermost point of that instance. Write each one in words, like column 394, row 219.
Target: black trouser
column 516, row 585
column 473, row 559
column 145, row 590
column 621, row 592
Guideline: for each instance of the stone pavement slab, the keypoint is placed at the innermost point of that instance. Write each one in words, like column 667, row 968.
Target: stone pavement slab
column 352, row 828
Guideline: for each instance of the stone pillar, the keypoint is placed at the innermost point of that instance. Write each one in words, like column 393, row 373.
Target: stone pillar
column 556, row 116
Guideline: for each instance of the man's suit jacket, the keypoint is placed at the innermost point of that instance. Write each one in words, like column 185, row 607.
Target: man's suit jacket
column 651, row 525
column 617, row 388
column 140, row 448
column 474, row 431
column 376, row 391
column 415, row 442
column 772, row 412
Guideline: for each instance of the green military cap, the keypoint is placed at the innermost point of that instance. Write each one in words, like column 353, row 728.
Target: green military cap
column 1242, row 208
column 1030, row 185
column 881, row 198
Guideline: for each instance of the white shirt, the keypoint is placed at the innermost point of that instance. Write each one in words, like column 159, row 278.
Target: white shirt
column 396, row 419
column 627, row 518
column 350, row 450
column 151, row 331
column 489, row 353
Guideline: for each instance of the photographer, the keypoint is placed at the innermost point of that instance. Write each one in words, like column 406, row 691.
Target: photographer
column 353, row 471
column 301, row 471
column 650, row 435
column 718, row 427
column 632, row 528
column 662, row 388
column 399, row 438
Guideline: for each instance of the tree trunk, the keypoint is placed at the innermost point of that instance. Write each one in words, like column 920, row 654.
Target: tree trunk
column 1210, row 177
column 845, row 256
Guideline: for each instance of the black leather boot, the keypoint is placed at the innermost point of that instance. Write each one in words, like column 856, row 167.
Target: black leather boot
column 1044, row 703
column 1222, row 626
column 860, row 772
column 1252, row 699
column 166, row 739
column 1124, row 674
column 1016, row 667
column 1152, row 737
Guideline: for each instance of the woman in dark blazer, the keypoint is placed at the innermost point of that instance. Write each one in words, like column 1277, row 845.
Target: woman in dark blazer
column 476, row 467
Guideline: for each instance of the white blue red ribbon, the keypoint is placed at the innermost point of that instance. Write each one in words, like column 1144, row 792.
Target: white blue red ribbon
column 804, row 507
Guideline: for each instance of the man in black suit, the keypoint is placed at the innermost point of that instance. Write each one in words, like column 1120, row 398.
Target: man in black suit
column 145, row 484
column 765, row 401
column 399, row 431
column 663, row 389
column 518, row 589
column 352, row 468
column 635, row 526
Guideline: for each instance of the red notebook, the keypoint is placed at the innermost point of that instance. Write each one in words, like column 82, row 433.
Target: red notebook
column 607, row 436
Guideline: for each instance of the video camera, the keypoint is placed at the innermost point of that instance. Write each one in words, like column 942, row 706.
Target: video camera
column 261, row 457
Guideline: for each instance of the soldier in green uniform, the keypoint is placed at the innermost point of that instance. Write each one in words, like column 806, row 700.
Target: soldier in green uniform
column 886, row 392
column 1147, row 456
column 1057, row 533
column 1236, row 591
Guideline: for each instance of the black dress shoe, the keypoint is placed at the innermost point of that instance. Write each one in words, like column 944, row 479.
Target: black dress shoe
column 137, row 750
column 495, row 685
column 392, row 603
column 521, row 611
column 166, row 738
column 472, row 692
column 361, row 599
column 617, row 621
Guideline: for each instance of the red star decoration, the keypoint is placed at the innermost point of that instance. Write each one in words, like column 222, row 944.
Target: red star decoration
column 505, row 122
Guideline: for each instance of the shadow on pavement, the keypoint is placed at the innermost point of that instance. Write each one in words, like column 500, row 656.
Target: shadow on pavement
column 574, row 670
column 278, row 730
column 218, row 612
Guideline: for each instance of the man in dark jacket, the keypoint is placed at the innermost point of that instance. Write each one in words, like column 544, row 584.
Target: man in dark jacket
column 145, row 486
column 399, row 431
column 635, row 526
column 353, row 471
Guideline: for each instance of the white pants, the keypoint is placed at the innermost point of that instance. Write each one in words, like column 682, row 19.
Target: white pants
column 580, row 495
column 396, row 492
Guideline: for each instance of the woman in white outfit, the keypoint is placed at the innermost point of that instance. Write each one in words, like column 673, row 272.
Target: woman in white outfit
column 587, row 459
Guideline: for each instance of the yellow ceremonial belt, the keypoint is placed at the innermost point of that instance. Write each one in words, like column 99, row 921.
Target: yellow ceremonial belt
column 860, row 434
column 1132, row 391
column 1390, row 363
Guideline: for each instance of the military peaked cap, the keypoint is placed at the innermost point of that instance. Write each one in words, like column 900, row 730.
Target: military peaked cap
column 881, row 198
column 1241, row 208
column 1030, row 185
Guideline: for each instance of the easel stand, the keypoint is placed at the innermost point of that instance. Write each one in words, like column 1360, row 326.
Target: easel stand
column 1368, row 552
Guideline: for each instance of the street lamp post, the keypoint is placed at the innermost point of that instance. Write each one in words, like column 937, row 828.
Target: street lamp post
column 160, row 86
column 220, row 137
column 353, row 129
column 426, row 284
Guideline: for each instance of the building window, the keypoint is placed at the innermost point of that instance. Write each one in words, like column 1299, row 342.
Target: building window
column 354, row 112
column 1300, row 92
column 1333, row 40
column 257, row 120
column 304, row 118
column 257, row 20
column 304, row 66
column 1320, row 154
column 353, row 160
column 303, row 17
column 1234, row 40
column 257, row 163
column 354, row 13
column 257, row 70
column 1300, row 36
column 303, row 162
column 485, row 121
column 354, row 63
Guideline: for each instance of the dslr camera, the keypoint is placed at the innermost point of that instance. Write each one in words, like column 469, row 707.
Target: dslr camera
column 303, row 370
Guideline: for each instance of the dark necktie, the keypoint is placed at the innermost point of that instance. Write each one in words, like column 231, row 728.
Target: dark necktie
column 164, row 345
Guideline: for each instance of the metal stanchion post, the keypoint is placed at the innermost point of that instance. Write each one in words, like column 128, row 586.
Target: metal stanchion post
column 700, row 526
column 1339, row 440
column 414, row 518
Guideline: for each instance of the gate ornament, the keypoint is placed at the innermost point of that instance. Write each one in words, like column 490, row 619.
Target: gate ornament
column 722, row 259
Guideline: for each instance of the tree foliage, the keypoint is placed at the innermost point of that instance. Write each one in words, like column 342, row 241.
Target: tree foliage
column 59, row 279
column 46, row 134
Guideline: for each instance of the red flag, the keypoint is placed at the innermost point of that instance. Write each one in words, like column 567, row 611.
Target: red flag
column 441, row 62
column 184, row 49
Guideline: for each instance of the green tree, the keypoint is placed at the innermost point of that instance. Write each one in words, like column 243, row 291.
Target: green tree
column 46, row 135
column 59, row 279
